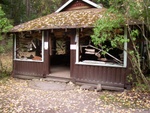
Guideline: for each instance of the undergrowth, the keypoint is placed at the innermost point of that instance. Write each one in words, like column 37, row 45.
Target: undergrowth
column 5, row 65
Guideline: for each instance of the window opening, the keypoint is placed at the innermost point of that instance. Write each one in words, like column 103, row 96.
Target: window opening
column 93, row 55
column 29, row 46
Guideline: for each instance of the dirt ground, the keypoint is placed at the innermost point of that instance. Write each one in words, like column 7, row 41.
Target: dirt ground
column 16, row 96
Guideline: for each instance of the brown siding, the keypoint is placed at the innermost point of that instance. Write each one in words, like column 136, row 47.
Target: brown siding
column 33, row 68
column 99, row 74
column 29, row 68
column 109, row 76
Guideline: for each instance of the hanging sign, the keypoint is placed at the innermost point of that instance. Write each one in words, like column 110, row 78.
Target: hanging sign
column 73, row 47
column 46, row 45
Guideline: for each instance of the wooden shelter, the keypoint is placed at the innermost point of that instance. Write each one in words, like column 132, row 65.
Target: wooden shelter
column 62, row 39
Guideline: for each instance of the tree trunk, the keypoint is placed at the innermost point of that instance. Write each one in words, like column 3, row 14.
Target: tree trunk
column 28, row 8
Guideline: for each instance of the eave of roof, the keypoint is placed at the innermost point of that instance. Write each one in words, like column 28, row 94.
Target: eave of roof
column 67, row 19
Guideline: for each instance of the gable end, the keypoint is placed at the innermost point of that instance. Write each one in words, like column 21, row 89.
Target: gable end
column 78, row 4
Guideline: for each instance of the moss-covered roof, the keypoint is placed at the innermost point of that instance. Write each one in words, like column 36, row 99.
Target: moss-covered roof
column 67, row 19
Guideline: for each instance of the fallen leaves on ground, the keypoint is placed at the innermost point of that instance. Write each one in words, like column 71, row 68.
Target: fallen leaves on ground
column 128, row 99
column 17, row 97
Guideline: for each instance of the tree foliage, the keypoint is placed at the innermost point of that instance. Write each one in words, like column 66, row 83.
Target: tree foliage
column 15, row 11
column 20, row 11
column 42, row 7
column 4, row 27
column 105, row 29
column 4, row 22
column 120, row 13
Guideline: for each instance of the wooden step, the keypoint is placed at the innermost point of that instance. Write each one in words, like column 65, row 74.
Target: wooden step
column 57, row 79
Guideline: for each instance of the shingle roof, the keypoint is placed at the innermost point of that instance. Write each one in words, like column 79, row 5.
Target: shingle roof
column 67, row 19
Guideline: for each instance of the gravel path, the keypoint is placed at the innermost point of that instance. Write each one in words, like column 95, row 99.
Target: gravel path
column 17, row 97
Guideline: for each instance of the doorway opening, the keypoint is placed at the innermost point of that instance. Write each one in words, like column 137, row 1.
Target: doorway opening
column 60, row 55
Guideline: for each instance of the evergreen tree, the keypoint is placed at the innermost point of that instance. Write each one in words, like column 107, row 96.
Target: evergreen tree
column 4, row 28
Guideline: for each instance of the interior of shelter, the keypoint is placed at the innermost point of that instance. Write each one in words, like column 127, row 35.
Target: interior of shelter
column 59, row 53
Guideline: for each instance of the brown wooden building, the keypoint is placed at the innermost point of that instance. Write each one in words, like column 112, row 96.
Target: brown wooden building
column 62, row 39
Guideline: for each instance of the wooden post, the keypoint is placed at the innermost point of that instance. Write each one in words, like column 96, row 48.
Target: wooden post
column 46, row 53
column 72, row 35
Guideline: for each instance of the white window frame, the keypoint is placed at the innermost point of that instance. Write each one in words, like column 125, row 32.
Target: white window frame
column 29, row 60
column 98, row 63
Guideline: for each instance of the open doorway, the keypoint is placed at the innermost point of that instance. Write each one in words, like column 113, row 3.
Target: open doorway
column 60, row 55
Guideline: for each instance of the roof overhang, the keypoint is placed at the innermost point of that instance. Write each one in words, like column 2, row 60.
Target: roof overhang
column 68, row 20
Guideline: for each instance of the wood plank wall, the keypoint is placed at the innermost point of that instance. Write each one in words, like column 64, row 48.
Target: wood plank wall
column 77, row 5
column 111, row 76
column 34, row 68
